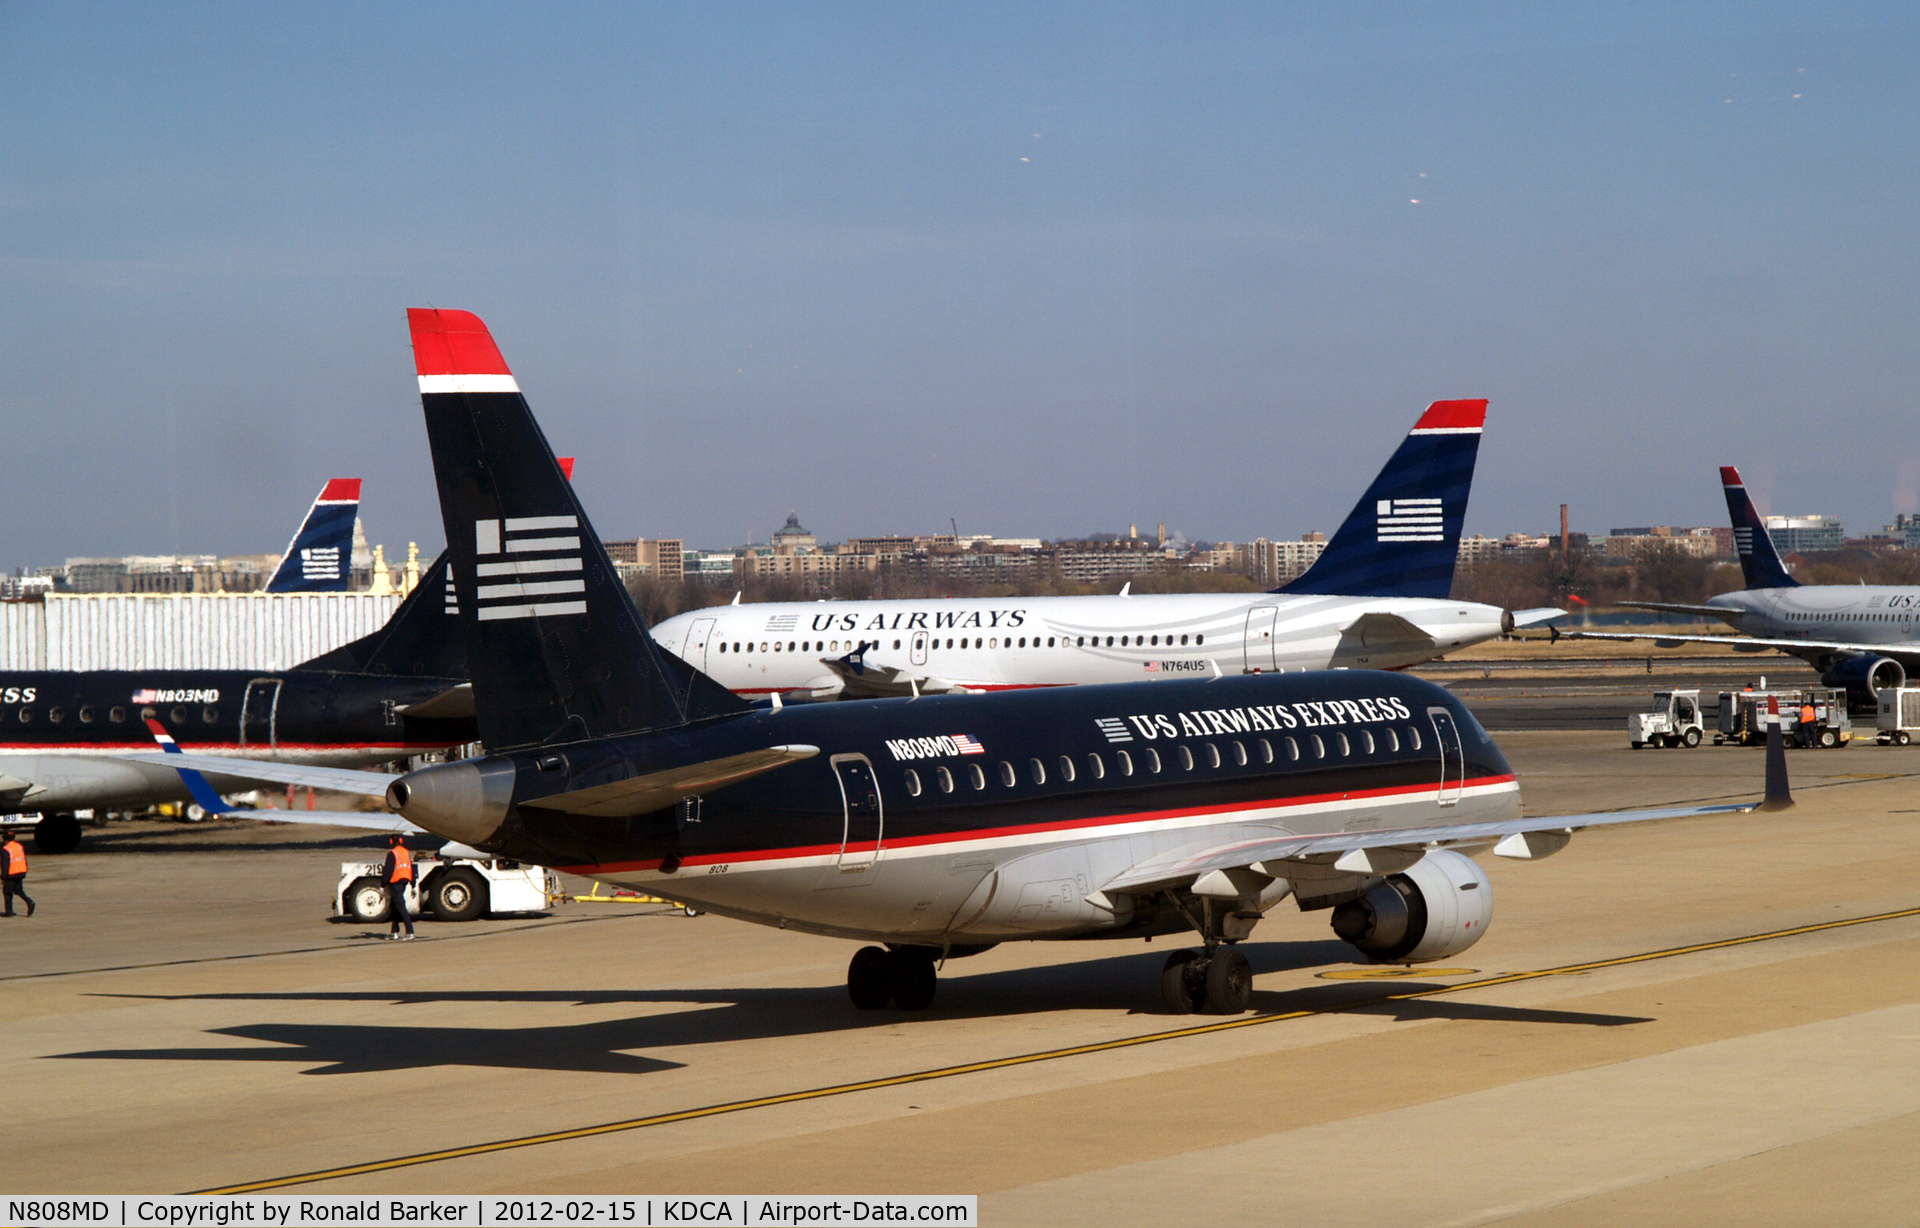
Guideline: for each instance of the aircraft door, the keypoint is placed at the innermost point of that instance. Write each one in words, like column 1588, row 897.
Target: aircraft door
column 919, row 648
column 695, row 653
column 259, row 714
column 1453, row 758
column 860, row 838
column 1260, row 645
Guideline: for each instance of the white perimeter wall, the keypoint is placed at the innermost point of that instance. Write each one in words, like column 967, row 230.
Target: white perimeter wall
column 185, row 630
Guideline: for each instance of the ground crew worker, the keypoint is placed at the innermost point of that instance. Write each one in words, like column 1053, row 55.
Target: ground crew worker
column 398, row 874
column 1807, row 722
column 13, row 872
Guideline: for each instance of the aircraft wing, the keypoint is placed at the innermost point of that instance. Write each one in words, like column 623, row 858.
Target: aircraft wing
column 1378, row 632
column 658, row 790
column 859, row 680
column 1381, row 852
column 337, row 780
column 1238, row 868
column 1675, row 607
column 358, row 819
column 1749, row 643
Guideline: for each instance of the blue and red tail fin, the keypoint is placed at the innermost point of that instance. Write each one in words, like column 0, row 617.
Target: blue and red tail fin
column 1759, row 561
column 1402, row 538
column 555, row 647
column 319, row 559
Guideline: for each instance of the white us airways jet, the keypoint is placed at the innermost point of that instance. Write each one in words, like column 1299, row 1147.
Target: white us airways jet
column 933, row 827
column 1860, row 636
column 1377, row 598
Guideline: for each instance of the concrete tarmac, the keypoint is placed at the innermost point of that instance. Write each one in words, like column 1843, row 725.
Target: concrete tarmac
column 181, row 1015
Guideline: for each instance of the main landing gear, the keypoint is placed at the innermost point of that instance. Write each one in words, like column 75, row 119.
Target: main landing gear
column 1216, row 979
column 902, row 976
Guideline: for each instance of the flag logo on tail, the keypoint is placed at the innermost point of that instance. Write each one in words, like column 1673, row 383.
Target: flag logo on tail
column 1743, row 540
column 320, row 562
column 542, row 568
column 1411, row 520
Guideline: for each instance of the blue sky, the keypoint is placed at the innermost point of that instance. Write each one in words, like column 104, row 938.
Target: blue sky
column 1043, row 269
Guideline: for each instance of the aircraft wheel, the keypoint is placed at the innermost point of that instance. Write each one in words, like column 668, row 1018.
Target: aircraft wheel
column 870, row 978
column 56, row 833
column 367, row 900
column 1229, row 982
column 912, row 981
column 1691, row 737
column 1829, row 739
column 459, row 894
column 1177, row 987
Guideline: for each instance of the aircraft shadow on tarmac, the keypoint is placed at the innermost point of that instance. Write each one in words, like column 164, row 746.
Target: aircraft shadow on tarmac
column 1116, row 983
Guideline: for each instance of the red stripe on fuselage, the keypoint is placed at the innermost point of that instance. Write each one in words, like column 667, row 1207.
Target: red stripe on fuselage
column 1026, row 829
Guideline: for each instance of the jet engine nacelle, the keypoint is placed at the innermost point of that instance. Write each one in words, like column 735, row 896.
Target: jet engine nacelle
column 1864, row 677
column 1439, row 907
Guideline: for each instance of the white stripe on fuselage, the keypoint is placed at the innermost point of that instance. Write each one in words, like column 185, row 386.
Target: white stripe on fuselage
column 1307, row 634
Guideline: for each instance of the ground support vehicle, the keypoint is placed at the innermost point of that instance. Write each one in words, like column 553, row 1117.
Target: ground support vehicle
column 1899, row 715
column 1743, row 716
column 455, row 889
column 1674, row 721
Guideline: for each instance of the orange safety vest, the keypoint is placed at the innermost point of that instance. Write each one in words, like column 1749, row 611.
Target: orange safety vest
column 16, row 858
column 402, row 864
column 1806, row 715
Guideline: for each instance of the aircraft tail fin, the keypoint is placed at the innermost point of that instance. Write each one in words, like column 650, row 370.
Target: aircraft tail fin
column 319, row 559
column 1402, row 538
column 555, row 647
column 1759, row 561
column 421, row 639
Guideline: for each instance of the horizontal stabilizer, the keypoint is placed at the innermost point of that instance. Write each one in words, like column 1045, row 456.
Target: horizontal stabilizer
column 452, row 703
column 658, row 790
column 1675, row 607
column 860, row 680
column 1378, row 632
column 1534, row 617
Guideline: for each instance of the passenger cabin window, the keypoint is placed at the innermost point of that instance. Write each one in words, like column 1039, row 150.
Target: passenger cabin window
column 1152, row 759
column 1319, row 747
column 86, row 714
column 1293, row 751
column 1096, row 767
column 56, row 715
column 1413, row 737
column 1066, row 768
column 976, row 776
column 1345, row 747
column 1124, row 760
column 1037, row 770
column 1239, row 754
column 209, row 715
column 1366, row 741
column 1186, row 759
column 1007, row 777
column 26, row 716
column 1393, row 739
column 1266, row 751
column 913, row 783
column 1199, row 639
column 178, row 716
column 944, row 779
column 1213, row 754
column 117, row 715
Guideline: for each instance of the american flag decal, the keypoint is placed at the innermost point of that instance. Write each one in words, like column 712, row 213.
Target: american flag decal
column 1152, row 667
column 145, row 697
column 1114, row 728
column 526, row 587
column 966, row 745
column 1410, row 520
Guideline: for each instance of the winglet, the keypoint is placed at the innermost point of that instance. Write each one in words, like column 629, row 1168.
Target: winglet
column 197, row 785
column 1779, row 796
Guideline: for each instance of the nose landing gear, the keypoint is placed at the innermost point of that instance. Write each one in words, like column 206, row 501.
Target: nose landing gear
column 902, row 976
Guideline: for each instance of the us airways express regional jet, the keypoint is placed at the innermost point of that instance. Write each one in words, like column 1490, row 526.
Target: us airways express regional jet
column 1863, row 637
column 942, row 825
column 1378, row 598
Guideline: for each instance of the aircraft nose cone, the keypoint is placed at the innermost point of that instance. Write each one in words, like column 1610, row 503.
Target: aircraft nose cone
column 463, row 801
